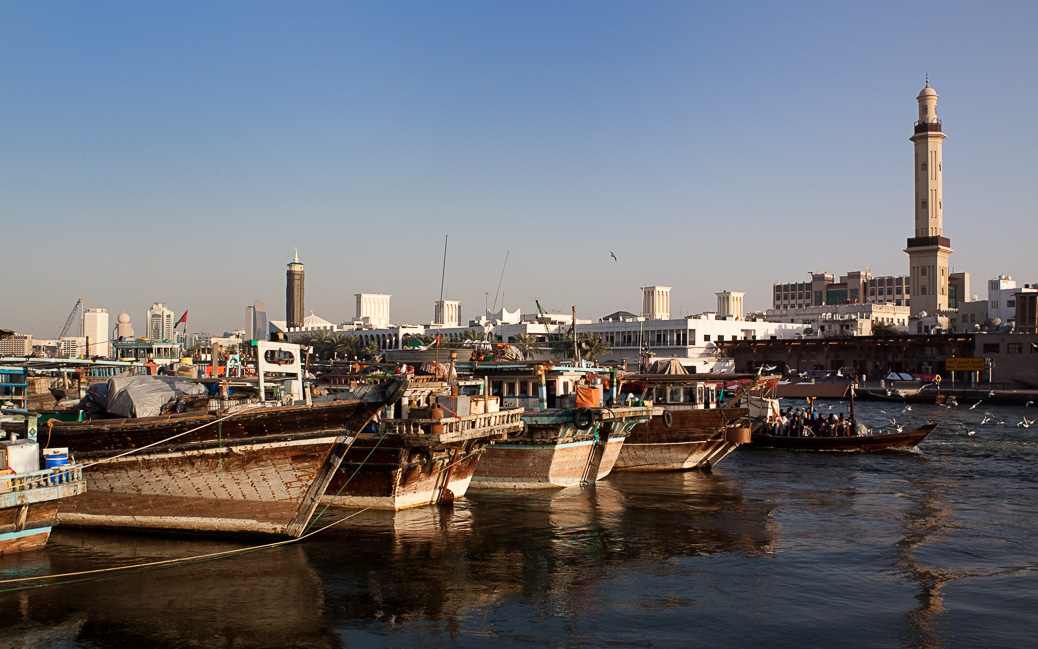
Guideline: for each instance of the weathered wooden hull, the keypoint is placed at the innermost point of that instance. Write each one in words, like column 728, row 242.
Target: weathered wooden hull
column 29, row 506
column 696, row 439
column 398, row 477
column 554, row 452
column 262, row 471
column 411, row 465
column 878, row 442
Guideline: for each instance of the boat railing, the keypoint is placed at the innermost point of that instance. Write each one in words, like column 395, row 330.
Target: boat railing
column 454, row 425
column 66, row 474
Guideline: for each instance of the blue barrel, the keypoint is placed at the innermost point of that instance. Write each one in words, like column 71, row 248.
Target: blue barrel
column 54, row 461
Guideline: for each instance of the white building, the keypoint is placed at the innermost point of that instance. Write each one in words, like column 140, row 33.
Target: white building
column 656, row 302
column 73, row 346
column 373, row 309
column 844, row 319
column 159, row 320
column 96, row 330
column 999, row 310
column 18, row 345
column 446, row 313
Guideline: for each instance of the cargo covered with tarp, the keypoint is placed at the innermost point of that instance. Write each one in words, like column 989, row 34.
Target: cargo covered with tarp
column 144, row 396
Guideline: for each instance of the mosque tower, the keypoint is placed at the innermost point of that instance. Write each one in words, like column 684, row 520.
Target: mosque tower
column 294, row 293
column 928, row 249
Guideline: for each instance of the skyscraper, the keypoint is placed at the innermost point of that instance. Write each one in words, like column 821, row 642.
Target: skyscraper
column 159, row 321
column 294, row 293
column 928, row 249
column 95, row 328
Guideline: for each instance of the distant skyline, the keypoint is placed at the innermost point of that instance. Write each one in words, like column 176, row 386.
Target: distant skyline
column 178, row 152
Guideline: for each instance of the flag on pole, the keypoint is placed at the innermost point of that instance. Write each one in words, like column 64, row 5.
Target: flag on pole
column 437, row 340
column 183, row 320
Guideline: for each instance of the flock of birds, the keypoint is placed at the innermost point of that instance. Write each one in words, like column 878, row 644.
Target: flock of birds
column 989, row 418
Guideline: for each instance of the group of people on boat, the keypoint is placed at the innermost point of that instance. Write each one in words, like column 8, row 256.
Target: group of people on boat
column 807, row 422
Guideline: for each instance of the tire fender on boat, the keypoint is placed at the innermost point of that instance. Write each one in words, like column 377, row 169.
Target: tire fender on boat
column 668, row 419
column 583, row 418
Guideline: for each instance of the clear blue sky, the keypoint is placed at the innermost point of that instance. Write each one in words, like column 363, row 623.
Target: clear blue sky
column 178, row 151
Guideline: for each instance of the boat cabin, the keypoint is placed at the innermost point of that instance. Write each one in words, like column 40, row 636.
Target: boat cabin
column 699, row 395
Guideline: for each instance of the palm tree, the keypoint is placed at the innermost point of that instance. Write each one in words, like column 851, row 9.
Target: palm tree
column 343, row 344
column 526, row 343
column 370, row 351
column 593, row 345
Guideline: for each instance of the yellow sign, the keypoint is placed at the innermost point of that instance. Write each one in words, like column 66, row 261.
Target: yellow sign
column 964, row 364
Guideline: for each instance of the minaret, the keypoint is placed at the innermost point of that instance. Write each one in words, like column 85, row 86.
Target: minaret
column 294, row 293
column 928, row 249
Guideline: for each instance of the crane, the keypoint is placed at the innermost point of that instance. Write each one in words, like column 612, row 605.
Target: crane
column 71, row 317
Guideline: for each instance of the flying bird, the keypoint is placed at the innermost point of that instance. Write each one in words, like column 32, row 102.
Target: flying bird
column 975, row 405
column 1029, row 403
column 991, row 394
column 968, row 431
column 612, row 255
column 907, row 408
column 1026, row 423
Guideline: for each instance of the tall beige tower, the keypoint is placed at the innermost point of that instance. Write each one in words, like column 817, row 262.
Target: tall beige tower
column 928, row 249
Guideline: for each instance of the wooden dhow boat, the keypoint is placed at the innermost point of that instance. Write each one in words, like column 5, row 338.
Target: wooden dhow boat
column 426, row 452
column 867, row 442
column 697, row 428
column 856, row 438
column 570, row 438
column 29, row 495
column 255, row 467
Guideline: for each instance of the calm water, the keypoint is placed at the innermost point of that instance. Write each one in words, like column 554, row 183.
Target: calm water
column 933, row 548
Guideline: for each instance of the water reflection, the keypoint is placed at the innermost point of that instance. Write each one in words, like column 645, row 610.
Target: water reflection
column 270, row 598
column 545, row 548
column 924, row 524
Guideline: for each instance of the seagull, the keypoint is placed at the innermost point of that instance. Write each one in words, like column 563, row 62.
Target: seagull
column 968, row 431
column 991, row 394
column 975, row 405
column 907, row 408
column 986, row 419
column 1029, row 403
column 889, row 392
column 612, row 255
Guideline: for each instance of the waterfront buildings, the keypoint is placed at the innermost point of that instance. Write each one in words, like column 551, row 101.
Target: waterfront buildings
column 930, row 290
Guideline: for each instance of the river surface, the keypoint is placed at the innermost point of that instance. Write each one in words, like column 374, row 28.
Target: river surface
column 931, row 548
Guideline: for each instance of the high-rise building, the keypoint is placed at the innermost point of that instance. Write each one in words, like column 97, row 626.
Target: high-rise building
column 95, row 329
column 294, row 293
column 928, row 249
column 256, row 321
column 19, row 345
column 159, row 320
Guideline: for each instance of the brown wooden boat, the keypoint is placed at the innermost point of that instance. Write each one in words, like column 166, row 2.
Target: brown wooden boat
column 249, row 468
column 426, row 454
column 696, row 430
column 873, row 442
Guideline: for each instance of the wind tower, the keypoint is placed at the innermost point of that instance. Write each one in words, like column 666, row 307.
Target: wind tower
column 928, row 249
column 294, row 293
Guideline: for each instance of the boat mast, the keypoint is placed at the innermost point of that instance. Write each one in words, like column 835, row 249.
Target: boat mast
column 443, row 276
